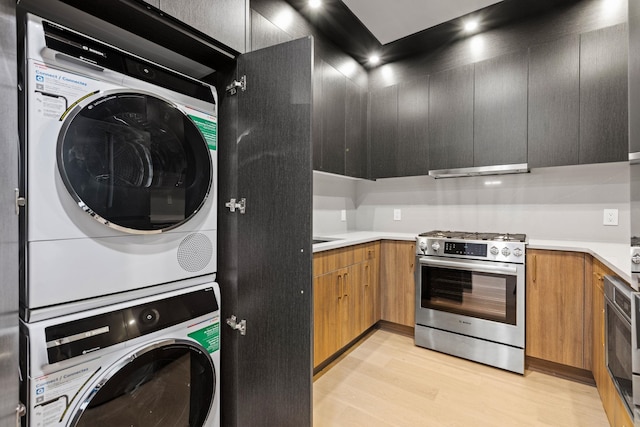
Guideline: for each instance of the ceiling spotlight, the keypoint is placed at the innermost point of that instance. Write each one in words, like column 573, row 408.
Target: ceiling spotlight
column 471, row 25
column 315, row 3
column 374, row 59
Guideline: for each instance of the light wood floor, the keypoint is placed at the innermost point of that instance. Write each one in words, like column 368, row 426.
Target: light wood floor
column 388, row 381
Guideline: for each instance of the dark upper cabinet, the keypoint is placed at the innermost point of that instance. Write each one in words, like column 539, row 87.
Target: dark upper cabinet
column 451, row 118
column 383, row 131
column 634, row 77
column 603, row 95
column 554, row 103
column 412, row 147
column 355, row 131
column 318, row 111
column 264, row 33
column 500, row 111
column 333, row 120
column 223, row 20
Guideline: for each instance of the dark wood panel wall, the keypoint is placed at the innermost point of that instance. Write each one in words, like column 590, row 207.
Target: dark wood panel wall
column 580, row 17
column 634, row 76
column 283, row 17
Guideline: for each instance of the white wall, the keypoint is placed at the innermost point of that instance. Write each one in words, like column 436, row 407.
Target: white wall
column 331, row 194
column 562, row 203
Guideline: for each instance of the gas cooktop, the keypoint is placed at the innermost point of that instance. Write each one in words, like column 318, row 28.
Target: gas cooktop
column 467, row 235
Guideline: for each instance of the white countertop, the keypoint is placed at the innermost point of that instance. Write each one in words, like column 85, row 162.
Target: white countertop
column 613, row 255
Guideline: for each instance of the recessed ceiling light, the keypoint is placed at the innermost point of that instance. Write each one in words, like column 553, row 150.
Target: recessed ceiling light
column 315, row 3
column 471, row 25
column 374, row 59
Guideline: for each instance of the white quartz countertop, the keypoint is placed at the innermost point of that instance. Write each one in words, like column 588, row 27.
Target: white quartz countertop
column 613, row 255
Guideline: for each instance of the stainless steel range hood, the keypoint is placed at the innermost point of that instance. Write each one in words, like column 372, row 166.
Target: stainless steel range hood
column 480, row 170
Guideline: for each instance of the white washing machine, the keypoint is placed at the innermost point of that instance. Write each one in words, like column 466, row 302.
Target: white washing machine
column 154, row 361
column 120, row 170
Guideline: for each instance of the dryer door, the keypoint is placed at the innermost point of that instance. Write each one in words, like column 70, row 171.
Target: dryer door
column 135, row 162
column 169, row 385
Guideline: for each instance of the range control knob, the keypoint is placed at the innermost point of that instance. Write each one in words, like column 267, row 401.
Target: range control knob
column 435, row 246
column 494, row 250
column 506, row 251
column 517, row 252
column 422, row 244
column 635, row 258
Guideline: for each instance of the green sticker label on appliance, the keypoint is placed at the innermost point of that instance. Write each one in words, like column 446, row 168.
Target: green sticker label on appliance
column 209, row 130
column 208, row 337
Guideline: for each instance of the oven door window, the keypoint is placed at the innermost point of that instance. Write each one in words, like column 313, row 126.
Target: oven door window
column 479, row 295
column 134, row 162
column 171, row 385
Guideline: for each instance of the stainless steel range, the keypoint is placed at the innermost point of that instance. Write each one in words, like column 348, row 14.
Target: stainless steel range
column 470, row 290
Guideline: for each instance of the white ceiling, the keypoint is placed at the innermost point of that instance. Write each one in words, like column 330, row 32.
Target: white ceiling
column 392, row 20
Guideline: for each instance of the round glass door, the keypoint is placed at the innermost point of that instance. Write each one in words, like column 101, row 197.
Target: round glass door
column 134, row 162
column 169, row 386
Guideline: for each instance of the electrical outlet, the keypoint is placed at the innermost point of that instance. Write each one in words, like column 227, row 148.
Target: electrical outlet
column 397, row 214
column 610, row 217
column 343, row 215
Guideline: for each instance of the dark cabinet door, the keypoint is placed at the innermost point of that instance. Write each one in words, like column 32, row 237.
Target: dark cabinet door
column 265, row 254
column 634, row 76
column 451, row 118
column 223, row 20
column 603, row 95
column 355, row 131
column 413, row 128
column 333, row 119
column 500, row 111
column 9, row 247
column 554, row 103
column 383, row 131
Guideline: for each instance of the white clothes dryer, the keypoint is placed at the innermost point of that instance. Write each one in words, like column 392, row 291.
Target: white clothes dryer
column 120, row 170
column 154, row 361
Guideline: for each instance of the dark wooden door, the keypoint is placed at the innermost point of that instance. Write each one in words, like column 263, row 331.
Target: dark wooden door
column 355, row 131
column 413, row 128
column 500, row 111
column 265, row 261
column 9, row 263
column 451, row 118
column 554, row 103
column 333, row 120
column 604, row 132
column 384, row 131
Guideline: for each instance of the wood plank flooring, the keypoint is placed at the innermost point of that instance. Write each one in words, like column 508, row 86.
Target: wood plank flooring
column 388, row 381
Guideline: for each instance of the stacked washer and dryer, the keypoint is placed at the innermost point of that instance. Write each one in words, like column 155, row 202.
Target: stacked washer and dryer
column 120, row 313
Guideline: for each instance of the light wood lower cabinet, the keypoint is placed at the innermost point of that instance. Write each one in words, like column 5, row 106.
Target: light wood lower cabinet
column 555, row 308
column 397, row 282
column 345, row 297
column 613, row 405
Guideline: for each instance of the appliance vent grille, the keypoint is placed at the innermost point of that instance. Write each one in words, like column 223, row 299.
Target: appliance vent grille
column 195, row 252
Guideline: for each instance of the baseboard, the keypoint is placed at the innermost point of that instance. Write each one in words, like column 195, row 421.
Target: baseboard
column 558, row 370
column 396, row 328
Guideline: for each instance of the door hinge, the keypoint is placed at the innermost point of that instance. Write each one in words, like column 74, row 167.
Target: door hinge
column 240, row 205
column 20, row 201
column 232, row 89
column 21, row 411
column 240, row 326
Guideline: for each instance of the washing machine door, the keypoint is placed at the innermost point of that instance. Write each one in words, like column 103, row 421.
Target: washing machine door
column 134, row 161
column 165, row 385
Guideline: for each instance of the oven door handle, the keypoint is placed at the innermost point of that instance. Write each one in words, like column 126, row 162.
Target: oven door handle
column 456, row 265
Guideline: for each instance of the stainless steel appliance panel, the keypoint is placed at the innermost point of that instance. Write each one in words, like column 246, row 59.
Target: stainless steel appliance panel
column 487, row 352
column 471, row 324
column 618, row 337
